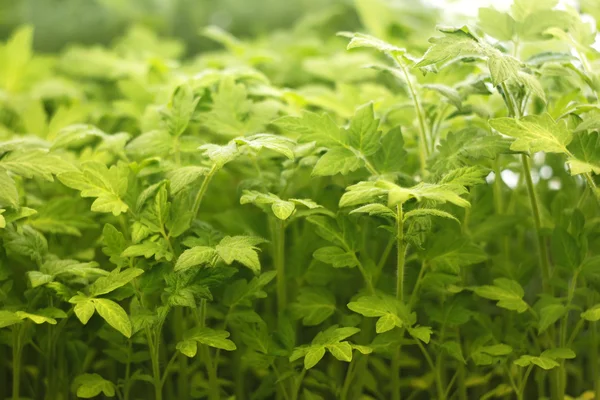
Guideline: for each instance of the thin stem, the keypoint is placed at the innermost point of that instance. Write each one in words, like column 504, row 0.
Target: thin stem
column 523, row 386
column 423, row 134
column 438, row 380
column 279, row 255
column 396, row 394
column 401, row 246
column 154, row 356
column 203, row 188
column 414, row 294
column 16, row 362
column 296, row 391
column 348, row 379
column 543, row 251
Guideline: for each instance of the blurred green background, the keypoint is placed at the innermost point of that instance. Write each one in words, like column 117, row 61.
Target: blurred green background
column 61, row 22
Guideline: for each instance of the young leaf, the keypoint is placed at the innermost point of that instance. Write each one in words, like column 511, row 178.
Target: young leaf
column 198, row 255
column 313, row 306
column 114, row 315
column 92, row 385
column 108, row 186
column 535, row 133
column 335, row 256
column 241, row 249
column 210, row 337
column 508, row 293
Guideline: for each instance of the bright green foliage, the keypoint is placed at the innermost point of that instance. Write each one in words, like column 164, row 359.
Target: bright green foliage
column 305, row 216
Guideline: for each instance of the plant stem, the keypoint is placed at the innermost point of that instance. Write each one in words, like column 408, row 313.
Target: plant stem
column 348, row 380
column 16, row 362
column 423, row 135
column 203, row 188
column 401, row 246
column 279, row 261
column 396, row 394
column 434, row 370
column 543, row 251
column 154, row 356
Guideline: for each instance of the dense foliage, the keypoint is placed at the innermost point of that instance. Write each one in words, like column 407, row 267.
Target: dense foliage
column 286, row 218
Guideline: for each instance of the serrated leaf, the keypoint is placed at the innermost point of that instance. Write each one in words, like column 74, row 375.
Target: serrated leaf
column 508, row 293
column 181, row 178
column 198, row 255
column 92, row 385
column 313, row 306
column 535, row 133
column 114, row 315
column 335, row 256
column 108, row 186
column 210, row 337
column 549, row 315
column 114, row 280
column 241, row 249
column 338, row 160
column 585, row 148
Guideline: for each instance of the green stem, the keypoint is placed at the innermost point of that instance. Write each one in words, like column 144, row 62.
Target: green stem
column 523, row 385
column 16, row 361
column 155, row 359
column 396, row 394
column 127, row 384
column 296, row 391
column 543, row 251
column 279, row 260
column 415, row 291
column 423, row 134
column 401, row 246
column 594, row 359
column 214, row 391
column 348, row 380
column 438, row 379
column 203, row 188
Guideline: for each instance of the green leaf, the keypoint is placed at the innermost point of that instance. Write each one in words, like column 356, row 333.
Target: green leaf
column 313, row 306
column 520, row 9
column 183, row 177
column 565, row 251
column 497, row 24
column 508, row 293
column 342, row 351
column 276, row 143
column 114, row 280
column 535, row 133
column 592, row 314
column 454, row 350
column 8, row 318
column 455, row 43
column 158, row 249
column 335, row 256
column 391, row 155
column 313, row 356
column 542, row 362
column 339, row 160
column 561, row 353
column 585, row 150
column 35, row 163
column 198, row 255
column 220, row 155
column 91, row 385
column 312, row 127
column 108, row 186
column 391, row 312
column 182, row 105
column 84, row 310
column 502, row 67
column 188, row 348
column 363, row 133
column 114, row 315
column 358, row 40
column 549, row 315
column 422, row 333
column 115, row 244
column 241, row 249
column 432, row 212
column 210, row 337
column 374, row 209
column 9, row 195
